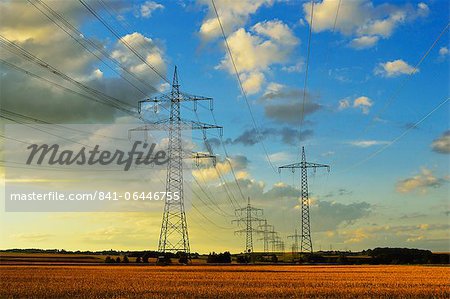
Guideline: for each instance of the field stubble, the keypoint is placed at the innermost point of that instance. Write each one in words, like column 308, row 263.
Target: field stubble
column 223, row 281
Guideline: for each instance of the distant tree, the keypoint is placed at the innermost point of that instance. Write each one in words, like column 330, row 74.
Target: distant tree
column 108, row 260
column 243, row 259
column 118, row 259
column 164, row 260
column 145, row 259
column 400, row 256
column 125, row 260
column 219, row 258
column 184, row 259
column 139, row 259
column 274, row 258
column 342, row 259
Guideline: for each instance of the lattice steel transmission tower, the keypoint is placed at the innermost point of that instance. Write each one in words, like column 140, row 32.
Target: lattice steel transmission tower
column 268, row 231
column 248, row 216
column 295, row 238
column 306, row 242
column 174, row 235
column 277, row 243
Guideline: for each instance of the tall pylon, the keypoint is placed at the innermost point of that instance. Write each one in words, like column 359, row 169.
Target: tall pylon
column 248, row 216
column 306, row 242
column 174, row 235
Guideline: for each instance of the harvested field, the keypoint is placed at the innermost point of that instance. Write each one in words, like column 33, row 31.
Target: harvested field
column 132, row 281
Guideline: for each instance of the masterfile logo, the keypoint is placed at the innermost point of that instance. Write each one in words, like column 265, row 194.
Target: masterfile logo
column 52, row 155
column 90, row 168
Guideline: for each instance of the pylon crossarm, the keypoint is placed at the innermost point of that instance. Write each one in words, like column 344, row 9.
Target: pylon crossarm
column 181, row 97
column 191, row 97
column 239, row 232
column 244, row 230
column 166, row 124
column 315, row 165
column 142, row 102
column 195, row 125
column 301, row 165
column 289, row 166
column 238, row 221
column 198, row 156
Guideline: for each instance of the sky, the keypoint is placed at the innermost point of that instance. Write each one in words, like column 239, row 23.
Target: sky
column 374, row 109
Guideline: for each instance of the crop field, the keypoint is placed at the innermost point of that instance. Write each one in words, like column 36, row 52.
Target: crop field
column 133, row 281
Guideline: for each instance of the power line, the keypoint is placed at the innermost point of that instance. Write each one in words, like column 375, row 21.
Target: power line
column 124, row 42
column 417, row 123
column 396, row 92
column 37, row 120
column 307, row 65
column 40, row 129
column 244, row 94
column 79, row 38
column 17, row 68
column 332, row 32
column 219, row 209
column 219, row 173
column 109, row 100
column 228, row 159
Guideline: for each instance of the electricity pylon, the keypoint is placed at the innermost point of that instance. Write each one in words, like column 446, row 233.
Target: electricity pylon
column 174, row 235
column 248, row 215
column 277, row 243
column 306, row 242
column 295, row 237
column 267, row 231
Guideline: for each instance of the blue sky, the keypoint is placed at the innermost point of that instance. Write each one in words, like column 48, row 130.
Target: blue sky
column 397, row 198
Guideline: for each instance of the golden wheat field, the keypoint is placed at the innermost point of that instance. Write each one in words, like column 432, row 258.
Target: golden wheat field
column 20, row 281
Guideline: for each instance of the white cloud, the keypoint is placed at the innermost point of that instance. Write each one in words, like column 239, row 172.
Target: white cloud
column 273, row 88
column 364, row 103
column 443, row 51
column 280, row 157
column 362, row 18
column 233, row 14
column 344, row 104
column 24, row 25
column 252, row 81
column 149, row 7
column 367, row 143
column 363, row 42
column 442, row 144
column 276, row 31
column 32, row 237
column 296, row 68
column 146, row 48
column 395, row 68
column 268, row 43
column 421, row 182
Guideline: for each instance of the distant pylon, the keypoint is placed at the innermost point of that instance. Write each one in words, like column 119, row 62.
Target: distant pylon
column 174, row 235
column 306, row 242
column 277, row 244
column 295, row 238
column 267, row 231
column 249, row 218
